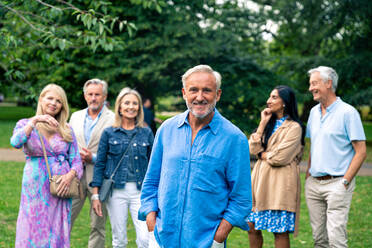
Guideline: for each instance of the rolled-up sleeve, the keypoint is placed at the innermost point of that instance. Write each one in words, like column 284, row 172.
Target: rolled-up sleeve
column 149, row 192
column 239, row 180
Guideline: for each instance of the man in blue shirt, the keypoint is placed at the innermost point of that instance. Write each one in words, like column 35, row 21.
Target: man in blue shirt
column 338, row 150
column 198, row 184
column 88, row 125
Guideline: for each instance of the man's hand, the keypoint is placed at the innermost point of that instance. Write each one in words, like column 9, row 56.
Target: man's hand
column 86, row 155
column 223, row 231
column 151, row 221
column 97, row 207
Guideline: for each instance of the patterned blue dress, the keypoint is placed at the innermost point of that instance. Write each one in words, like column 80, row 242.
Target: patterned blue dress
column 276, row 221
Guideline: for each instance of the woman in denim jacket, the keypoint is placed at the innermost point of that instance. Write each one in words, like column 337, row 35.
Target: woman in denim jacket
column 128, row 129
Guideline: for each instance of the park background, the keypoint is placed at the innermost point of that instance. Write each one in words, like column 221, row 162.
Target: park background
column 149, row 44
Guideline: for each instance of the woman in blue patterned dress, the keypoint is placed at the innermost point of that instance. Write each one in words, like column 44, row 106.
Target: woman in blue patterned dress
column 278, row 143
column 44, row 220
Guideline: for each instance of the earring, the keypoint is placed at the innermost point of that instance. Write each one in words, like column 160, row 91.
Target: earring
column 283, row 105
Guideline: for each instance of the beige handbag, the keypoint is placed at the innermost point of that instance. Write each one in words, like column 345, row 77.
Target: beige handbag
column 75, row 187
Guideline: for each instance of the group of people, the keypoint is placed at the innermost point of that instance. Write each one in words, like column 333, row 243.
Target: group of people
column 191, row 184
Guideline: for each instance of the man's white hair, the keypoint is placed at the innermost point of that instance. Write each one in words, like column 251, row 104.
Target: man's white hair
column 202, row 68
column 326, row 73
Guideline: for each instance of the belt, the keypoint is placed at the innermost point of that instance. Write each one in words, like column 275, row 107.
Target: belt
column 326, row 177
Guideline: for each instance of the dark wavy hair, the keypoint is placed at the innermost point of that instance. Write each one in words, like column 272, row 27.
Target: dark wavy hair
column 288, row 97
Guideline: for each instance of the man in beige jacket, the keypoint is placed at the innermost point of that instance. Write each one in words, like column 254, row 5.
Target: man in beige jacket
column 88, row 125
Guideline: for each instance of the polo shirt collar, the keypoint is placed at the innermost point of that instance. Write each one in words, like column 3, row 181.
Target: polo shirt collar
column 331, row 107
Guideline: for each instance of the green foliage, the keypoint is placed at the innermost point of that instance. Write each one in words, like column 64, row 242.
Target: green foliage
column 310, row 33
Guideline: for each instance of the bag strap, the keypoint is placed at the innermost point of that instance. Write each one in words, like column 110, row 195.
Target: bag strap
column 122, row 157
column 45, row 155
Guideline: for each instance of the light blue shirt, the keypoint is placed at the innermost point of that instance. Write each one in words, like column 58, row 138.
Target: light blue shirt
column 193, row 186
column 89, row 125
column 331, row 136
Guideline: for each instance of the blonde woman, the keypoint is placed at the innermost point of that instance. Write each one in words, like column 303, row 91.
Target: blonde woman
column 130, row 137
column 44, row 220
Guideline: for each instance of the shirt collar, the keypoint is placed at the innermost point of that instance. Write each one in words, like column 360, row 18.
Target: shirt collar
column 331, row 107
column 213, row 125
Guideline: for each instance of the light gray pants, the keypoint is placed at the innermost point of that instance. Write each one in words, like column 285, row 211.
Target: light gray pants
column 328, row 202
column 97, row 224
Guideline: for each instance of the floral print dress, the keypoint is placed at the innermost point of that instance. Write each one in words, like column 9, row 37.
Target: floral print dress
column 44, row 220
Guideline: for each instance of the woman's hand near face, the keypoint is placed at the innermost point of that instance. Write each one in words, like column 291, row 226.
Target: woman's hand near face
column 40, row 118
column 266, row 115
column 45, row 118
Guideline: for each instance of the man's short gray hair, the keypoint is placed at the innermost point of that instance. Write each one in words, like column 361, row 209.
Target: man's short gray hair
column 97, row 82
column 326, row 73
column 202, row 68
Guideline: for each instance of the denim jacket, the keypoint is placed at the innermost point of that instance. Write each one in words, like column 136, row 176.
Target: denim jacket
column 112, row 145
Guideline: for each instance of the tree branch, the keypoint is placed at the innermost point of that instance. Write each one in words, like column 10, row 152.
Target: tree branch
column 48, row 5
column 23, row 18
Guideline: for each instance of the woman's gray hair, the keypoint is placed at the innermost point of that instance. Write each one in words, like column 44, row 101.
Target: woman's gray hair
column 97, row 82
column 326, row 73
column 202, row 68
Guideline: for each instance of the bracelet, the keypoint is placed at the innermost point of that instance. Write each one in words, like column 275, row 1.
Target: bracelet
column 95, row 197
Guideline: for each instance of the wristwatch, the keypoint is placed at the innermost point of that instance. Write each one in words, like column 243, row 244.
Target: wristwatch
column 345, row 182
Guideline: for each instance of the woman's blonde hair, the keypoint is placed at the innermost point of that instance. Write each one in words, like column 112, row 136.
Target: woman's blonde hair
column 139, row 118
column 63, row 129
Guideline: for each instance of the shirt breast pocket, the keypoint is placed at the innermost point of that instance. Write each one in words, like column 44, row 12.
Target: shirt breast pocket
column 115, row 146
column 209, row 174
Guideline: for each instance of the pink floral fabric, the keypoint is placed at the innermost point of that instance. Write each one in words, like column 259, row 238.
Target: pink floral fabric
column 44, row 220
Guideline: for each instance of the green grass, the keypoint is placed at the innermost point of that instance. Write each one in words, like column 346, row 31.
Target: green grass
column 368, row 130
column 15, row 113
column 359, row 226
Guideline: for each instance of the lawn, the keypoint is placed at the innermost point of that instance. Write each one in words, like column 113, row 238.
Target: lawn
column 10, row 115
column 359, row 227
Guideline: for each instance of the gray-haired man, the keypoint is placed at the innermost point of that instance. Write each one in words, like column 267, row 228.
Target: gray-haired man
column 338, row 150
column 88, row 125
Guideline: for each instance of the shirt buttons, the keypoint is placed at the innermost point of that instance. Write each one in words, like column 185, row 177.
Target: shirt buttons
column 135, row 157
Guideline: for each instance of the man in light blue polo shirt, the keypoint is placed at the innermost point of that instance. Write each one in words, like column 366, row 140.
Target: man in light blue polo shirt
column 198, row 184
column 338, row 150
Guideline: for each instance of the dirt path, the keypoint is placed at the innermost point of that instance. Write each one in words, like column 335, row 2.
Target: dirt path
column 18, row 156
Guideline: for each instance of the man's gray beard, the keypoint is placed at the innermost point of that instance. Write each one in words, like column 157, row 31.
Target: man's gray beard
column 95, row 109
column 209, row 110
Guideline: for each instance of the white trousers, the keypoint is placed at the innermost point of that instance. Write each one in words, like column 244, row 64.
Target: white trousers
column 117, row 207
column 328, row 202
column 154, row 244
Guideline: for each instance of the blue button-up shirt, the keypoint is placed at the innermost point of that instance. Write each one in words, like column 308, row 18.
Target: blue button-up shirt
column 89, row 125
column 193, row 186
column 331, row 136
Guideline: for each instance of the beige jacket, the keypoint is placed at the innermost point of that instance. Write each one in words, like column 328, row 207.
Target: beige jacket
column 276, row 181
column 77, row 123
